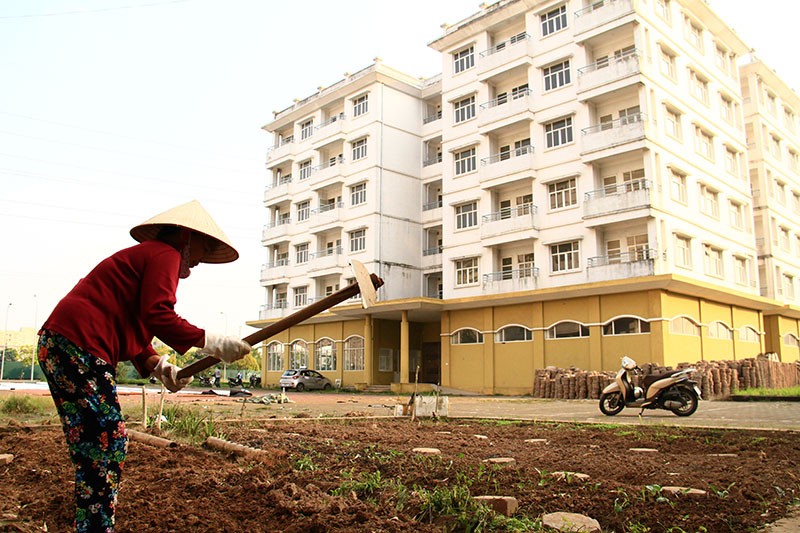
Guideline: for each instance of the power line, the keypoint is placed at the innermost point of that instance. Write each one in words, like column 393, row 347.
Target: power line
column 88, row 11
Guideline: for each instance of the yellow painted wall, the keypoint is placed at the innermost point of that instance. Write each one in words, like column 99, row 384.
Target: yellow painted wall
column 788, row 353
column 747, row 317
column 680, row 348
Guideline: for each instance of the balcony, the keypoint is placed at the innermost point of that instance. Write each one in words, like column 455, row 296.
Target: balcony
column 621, row 198
column 432, row 167
column 513, row 107
column 608, row 73
column 506, row 163
column 275, row 270
column 276, row 230
column 279, row 187
column 503, row 53
column 283, row 148
column 510, row 220
column 613, row 134
column 273, row 311
column 600, row 13
column 522, row 279
column 329, row 258
column 431, row 124
column 326, row 170
column 432, row 212
column 326, row 214
column 622, row 265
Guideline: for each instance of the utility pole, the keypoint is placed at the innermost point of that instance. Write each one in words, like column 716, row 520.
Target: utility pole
column 5, row 345
column 35, row 337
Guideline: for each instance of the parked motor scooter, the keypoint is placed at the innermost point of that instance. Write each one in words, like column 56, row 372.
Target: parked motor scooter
column 235, row 382
column 673, row 391
column 206, row 381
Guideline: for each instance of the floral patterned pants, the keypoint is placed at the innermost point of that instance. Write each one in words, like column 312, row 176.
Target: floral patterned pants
column 84, row 389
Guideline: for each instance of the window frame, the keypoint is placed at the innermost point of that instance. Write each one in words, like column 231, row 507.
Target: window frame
column 554, row 20
column 565, row 256
column 460, row 337
column 330, row 365
column 358, row 240
column 360, row 105
column 553, row 333
column 466, row 271
column 558, row 134
column 359, row 149
column 562, row 194
column 464, row 59
column 465, row 161
column 556, row 75
column 358, row 194
column 464, row 109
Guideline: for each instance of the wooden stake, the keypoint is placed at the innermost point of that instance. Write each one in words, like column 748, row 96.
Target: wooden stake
column 144, row 407
column 161, row 407
column 152, row 440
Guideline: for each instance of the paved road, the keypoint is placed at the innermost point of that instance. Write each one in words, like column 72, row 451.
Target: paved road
column 716, row 414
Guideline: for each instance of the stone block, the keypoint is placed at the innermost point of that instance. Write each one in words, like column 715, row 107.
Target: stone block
column 571, row 522
column 505, row 505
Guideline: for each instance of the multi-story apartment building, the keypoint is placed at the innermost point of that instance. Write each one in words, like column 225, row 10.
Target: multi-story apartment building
column 572, row 188
column 770, row 113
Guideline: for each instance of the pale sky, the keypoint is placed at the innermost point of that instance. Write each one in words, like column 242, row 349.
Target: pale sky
column 112, row 111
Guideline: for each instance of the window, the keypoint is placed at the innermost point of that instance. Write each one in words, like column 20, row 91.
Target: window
column 678, row 186
column 467, row 215
column 464, row 109
column 789, row 119
column 626, row 325
column 694, row 34
column 775, row 146
column 741, row 270
column 298, row 354
column 683, row 251
column 353, row 354
column 385, row 360
column 358, row 240
column 703, row 143
column 748, row 334
column 732, row 161
column 358, row 194
column 794, row 160
column 563, row 193
column 556, row 76
column 304, row 168
column 630, row 115
column 465, row 161
column 699, row 86
column 359, row 149
column 467, row 271
column 712, row 260
column 325, row 355
column 663, row 10
column 709, row 201
column 667, row 63
column 360, row 105
column 682, row 325
column 554, row 20
column 736, row 211
column 301, row 253
column 466, row 336
column 566, row 330
column 791, row 340
column 722, row 59
column 303, row 210
column 300, row 296
column 720, row 330
column 513, row 334
column 672, row 123
column 558, row 132
column 726, row 109
column 464, row 60
column 565, row 256
column 307, row 129
column 274, row 356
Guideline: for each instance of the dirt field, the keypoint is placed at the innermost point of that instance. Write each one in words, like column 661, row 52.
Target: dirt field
column 363, row 475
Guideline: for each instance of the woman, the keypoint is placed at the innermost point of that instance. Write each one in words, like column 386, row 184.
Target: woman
column 112, row 315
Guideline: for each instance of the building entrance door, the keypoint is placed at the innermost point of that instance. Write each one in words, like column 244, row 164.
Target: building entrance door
column 431, row 371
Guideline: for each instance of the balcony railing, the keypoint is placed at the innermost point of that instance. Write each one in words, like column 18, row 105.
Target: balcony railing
column 509, row 212
column 283, row 180
column 432, row 118
column 329, row 121
column 525, row 271
column 432, row 205
column 277, row 263
column 608, row 61
column 645, row 254
column 432, row 251
column 432, row 160
column 620, row 188
column 278, row 223
column 502, row 45
column 505, row 99
column 502, row 156
column 327, row 207
column 327, row 252
column 338, row 160
column 617, row 123
column 613, row 133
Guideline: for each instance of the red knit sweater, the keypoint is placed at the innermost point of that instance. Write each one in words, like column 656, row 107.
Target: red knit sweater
column 129, row 298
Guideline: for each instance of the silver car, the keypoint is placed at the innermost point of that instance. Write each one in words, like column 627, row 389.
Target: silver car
column 302, row 379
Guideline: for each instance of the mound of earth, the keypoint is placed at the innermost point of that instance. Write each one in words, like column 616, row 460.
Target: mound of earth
column 364, row 475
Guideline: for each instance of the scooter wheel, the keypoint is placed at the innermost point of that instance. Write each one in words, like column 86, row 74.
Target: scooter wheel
column 612, row 404
column 689, row 401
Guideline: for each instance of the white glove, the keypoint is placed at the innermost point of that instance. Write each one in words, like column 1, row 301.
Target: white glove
column 228, row 349
column 167, row 373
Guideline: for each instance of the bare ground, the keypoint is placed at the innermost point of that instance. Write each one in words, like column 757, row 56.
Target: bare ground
column 362, row 475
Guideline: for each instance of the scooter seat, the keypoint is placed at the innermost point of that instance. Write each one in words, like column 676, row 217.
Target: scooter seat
column 652, row 378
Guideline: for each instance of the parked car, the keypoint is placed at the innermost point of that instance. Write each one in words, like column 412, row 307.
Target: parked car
column 302, row 379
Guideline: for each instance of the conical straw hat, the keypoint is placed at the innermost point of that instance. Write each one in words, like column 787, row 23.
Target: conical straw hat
column 191, row 216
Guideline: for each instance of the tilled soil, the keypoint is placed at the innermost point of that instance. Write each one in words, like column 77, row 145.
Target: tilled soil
column 363, row 475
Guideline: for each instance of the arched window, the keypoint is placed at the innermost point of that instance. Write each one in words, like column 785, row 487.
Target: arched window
column 353, row 353
column 626, row 325
column 466, row 336
column 298, row 354
column 513, row 334
column 748, row 334
column 325, row 354
column 275, row 356
column 791, row 339
column 567, row 330
column 681, row 325
column 720, row 330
